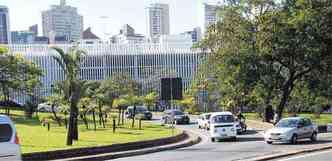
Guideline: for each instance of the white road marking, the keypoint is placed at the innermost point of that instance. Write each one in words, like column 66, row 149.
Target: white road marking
column 306, row 155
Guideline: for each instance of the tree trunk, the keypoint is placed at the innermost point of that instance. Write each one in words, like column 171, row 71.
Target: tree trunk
column 58, row 120
column 122, row 115
column 71, row 126
column 286, row 91
column 133, row 119
column 94, row 119
column 119, row 115
column 101, row 117
column 85, row 120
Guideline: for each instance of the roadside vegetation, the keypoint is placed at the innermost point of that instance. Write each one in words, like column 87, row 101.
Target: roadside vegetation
column 35, row 137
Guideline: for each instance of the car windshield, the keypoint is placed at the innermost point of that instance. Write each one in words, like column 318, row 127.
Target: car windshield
column 287, row 123
column 138, row 110
column 223, row 119
column 177, row 113
column 5, row 132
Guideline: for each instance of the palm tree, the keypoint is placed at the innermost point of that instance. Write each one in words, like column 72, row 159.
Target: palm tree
column 70, row 63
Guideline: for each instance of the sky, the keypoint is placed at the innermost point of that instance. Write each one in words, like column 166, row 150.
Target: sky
column 184, row 14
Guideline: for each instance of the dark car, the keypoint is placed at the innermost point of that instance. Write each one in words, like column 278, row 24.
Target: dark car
column 175, row 116
column 141, row 111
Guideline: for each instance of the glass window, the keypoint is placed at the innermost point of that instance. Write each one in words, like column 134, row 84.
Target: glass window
column 288, row 123
column 223, row 119
column 5, row 133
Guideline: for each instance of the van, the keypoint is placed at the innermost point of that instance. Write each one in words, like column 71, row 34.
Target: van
column 222, row 126
column 9, row 143
column 140, row 110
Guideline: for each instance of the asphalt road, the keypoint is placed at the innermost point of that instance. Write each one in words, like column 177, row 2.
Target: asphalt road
column 247, row 146
column 319, row 156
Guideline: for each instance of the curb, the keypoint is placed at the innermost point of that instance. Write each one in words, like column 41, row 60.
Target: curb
column 292, row 153
column 192, row 140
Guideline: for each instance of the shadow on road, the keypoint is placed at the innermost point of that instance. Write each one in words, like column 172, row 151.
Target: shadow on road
column 249, row 132
column 307, row 142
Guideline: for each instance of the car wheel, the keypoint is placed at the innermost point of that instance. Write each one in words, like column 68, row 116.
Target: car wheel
column 294, row 139
column 199, row 126
column 213, row 139
column 269, row 142
column 313, row 137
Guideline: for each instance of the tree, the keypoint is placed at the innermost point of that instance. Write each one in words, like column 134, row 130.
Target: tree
column 150, row 99
column 17, row 74
column 70, row 63
column 271, row 46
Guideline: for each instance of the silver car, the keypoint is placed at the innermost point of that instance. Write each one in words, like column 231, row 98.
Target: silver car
column 291, row 130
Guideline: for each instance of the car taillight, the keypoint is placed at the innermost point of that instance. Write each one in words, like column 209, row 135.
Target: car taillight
column 17, row 140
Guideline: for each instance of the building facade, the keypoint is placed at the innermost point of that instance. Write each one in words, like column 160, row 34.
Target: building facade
column 22, row 37
column 210, row 14
column 176, row 41
column 127, row 35
column 145, row 63
column 34, row 29
column 62, row 20
column 195, row 34
column 5, row 36
column 158, row 20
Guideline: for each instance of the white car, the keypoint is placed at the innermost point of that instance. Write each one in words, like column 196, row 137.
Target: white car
column 222, row 126
column 46, row 107
column 291, row 130
column 204, row 121
column 9, row 143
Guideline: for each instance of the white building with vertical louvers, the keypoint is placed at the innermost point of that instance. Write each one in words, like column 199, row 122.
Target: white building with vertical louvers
column 145, row 63
column 62, row 20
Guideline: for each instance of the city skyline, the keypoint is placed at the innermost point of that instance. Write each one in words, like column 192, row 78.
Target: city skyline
column 184, row 15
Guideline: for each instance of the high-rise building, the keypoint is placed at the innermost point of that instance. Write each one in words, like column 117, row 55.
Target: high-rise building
column 4, row 25
column 158, row 20
column 62, row 20
column 34, row 29
column 195, row 34
column 22, row 37
column 210, row 14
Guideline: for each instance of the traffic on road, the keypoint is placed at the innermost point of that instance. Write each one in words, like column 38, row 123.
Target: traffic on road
column 219, row 129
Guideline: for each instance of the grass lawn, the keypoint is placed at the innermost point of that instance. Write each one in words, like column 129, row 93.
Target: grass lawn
column 323, row 120
column 35, row 138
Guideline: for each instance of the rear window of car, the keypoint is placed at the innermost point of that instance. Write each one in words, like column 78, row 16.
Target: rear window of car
column 5, row 133
column 223, row 119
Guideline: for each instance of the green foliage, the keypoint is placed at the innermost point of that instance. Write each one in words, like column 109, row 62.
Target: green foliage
column 17, row 73
column 261, row 51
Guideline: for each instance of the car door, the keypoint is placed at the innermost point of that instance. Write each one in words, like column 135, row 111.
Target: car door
column 8, row 149
column 301, row 132
column 308, row 128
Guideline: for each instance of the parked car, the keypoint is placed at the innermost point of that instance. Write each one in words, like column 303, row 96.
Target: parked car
column 291, row 130
column 9, row 143
column 176, row 117
column 46, row 107
column 222, row 126
column 204, row 121
column 140, row 110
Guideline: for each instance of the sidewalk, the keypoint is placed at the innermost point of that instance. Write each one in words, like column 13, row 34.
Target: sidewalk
column 259, row 125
